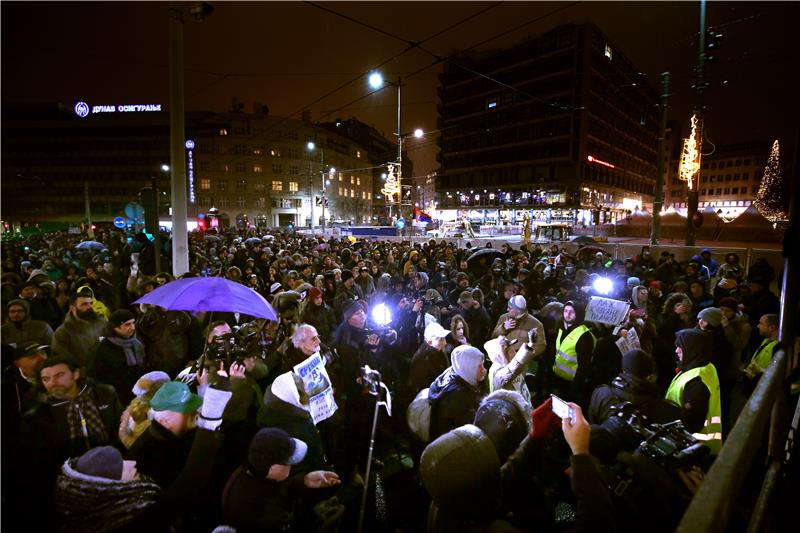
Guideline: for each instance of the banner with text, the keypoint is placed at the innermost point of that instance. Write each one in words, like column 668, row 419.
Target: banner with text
column 318, row 387
column 606, row 311
column 629, row 342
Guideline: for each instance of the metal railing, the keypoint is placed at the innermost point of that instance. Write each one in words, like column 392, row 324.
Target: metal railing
column 711, row 507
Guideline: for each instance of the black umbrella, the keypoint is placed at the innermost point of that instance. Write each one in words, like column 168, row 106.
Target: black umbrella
column 483, row 258
column 585, row 239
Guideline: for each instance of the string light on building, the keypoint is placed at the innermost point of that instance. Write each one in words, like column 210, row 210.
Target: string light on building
column 690, row 157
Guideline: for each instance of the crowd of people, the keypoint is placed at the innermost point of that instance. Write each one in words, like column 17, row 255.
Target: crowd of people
column 508, row 405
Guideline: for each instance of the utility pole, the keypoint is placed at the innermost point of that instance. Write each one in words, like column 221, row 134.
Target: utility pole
column 88, row 208
column 699, row 112
column 658, row 200
column 177, row 135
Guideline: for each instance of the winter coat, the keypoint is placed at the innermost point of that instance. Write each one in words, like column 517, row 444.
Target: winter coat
column 698, row 349
column 321, row 317
column 453, row 402
column 90, row 504
column 165, row 336
column 255, row 504
column 525, row 323
column 645, row 396
column 161, row 454
column 110, row 366
column 297, row 422
column 426, row 365
column 28, row 330
column 77, row 338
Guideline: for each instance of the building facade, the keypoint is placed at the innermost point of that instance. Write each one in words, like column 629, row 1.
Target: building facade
column 574, row 140
column 729, row 179
column 244, row 169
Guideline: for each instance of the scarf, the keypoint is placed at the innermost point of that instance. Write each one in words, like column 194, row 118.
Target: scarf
column 133, row 348
column 84, row 421
column 89, row 504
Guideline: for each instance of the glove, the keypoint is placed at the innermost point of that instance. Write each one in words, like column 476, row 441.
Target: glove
column 544, row 421
column 214, row 403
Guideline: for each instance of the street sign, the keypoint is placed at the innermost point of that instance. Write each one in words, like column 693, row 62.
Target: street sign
column 135, row 212
column 119, row 222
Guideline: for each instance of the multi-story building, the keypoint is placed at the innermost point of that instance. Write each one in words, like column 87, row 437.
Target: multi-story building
column 569, row 135
column 55, row 160
column 729, row 179
column 253, row 168
column 245, row 168
column 381, row 151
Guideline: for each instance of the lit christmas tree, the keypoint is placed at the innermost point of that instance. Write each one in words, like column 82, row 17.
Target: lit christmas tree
column 772, row 200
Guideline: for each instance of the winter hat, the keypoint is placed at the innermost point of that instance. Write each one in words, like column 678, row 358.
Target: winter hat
column 424, row 277
column 119, row 317
column 175, row 396
column 273, row 446
column 28, row 349
column 518, row 302
column 275, row 287
column 285, row 388
column 347, row 274
column 350, row 308
column 314, row 292
column 144, row 382
column 103, row 461
column 638, row 363
column 633, row 281
column 729, row 303
column 712, row 315
column 655, row 285
column 465, row 360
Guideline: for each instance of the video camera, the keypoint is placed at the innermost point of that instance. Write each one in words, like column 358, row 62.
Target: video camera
column 670, row 446
column 233, row 347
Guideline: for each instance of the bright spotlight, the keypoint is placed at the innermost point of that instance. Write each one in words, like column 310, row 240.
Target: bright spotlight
column 375, row 80
column 418, row 133
column 310, row 145
column 381, row 314
column 602, row 285
column 165, row 168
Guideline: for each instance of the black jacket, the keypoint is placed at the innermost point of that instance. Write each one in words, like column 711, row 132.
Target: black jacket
column 161, row 454
column 453, row 403
column 110, row 366
column 255, row 504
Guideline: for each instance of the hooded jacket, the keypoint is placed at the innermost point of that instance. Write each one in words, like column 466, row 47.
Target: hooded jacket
column 697, row 346
column 453, row 402
column 27, row 330
column 76, row 338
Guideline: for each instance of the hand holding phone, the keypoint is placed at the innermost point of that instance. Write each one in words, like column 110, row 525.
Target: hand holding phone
column 562, row 409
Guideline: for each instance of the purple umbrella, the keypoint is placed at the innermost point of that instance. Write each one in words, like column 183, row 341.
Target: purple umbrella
column 210, row 294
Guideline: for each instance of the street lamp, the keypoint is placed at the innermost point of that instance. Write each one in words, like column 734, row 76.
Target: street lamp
column 311, row 146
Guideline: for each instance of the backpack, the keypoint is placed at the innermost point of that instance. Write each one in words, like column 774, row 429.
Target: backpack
column 418, row 415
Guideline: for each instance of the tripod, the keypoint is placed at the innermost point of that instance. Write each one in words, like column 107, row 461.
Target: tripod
column 372, row 379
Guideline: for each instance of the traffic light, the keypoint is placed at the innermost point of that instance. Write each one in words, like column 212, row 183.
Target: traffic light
column 713, row 40
column 201, row 224
column 318, row 200
column 148, row 201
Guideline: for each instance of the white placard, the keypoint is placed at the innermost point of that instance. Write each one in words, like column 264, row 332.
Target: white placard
column 318, row 388
column 606, row 310
column 629, row 342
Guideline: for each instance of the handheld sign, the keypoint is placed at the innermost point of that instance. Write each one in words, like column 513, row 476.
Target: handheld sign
column 606, row 310
column 317, row 384
column 629, row 342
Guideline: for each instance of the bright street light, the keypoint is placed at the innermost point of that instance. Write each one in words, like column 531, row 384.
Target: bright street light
column 165, row 168
column 418, row 133
column 376, row 80
column 310, row 145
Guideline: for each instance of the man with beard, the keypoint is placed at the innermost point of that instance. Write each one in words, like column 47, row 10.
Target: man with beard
column 574, row 346
column 81, row 330
column 21, row 329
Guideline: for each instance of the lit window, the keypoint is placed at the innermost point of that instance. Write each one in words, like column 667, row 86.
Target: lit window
column 205, row 184
column 340, row 191
column 258, row 169
column 491, row 103
column 277, row 185
column 223, row 131
column 340, row 176
column 293, row 186
column 609, row 53
column 352, row 180
column 275, row 152
column 352, row 193
column 358, row 180
column 358, row 154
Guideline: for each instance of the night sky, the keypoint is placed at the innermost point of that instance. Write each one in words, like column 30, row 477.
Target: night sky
column 289, row 54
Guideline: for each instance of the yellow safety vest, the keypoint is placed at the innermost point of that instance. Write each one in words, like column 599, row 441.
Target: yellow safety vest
column 711, row 434
column 566, row 363
column 761, row 358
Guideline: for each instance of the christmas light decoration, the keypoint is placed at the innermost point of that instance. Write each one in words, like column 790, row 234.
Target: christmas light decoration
column 771, row 200
column 392, row 185
column 690, row 158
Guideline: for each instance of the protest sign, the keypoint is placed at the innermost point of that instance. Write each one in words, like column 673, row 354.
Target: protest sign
column 606, row 311
column 629, row 342
column 318, row 387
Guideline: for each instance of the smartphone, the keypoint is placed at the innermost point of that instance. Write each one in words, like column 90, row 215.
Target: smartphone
column 562, row 409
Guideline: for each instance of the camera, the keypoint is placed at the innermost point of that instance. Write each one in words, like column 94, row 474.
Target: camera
column 670, row 446
column 370, row 380
column 234, row 347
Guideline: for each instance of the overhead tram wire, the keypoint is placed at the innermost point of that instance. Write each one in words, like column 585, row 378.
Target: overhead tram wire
column 412, row 45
